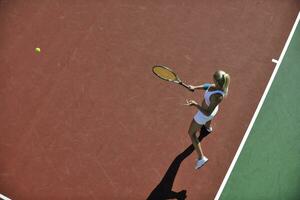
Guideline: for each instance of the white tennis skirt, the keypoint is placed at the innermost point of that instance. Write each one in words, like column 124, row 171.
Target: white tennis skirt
column 201, row 119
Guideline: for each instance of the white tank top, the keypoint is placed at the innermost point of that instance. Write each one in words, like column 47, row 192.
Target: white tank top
column 207, row 95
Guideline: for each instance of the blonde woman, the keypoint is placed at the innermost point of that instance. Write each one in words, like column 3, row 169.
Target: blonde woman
column 213, row 96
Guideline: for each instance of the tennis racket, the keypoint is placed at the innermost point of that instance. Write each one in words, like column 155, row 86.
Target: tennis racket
column 167, row 74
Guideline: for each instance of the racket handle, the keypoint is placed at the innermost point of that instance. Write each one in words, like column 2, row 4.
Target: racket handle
column 187, row 86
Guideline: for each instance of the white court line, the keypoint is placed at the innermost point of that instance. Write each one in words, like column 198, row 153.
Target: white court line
column 274, row 61
column 4, row 197
column 257, row 109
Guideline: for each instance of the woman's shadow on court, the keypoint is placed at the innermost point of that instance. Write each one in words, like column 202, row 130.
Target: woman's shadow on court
column 164, row 189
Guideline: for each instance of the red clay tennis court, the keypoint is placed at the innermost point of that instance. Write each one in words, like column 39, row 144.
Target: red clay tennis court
column 86, row 119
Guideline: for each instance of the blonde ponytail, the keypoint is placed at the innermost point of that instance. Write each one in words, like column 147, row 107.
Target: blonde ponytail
column 223, row 80
column 226, row 83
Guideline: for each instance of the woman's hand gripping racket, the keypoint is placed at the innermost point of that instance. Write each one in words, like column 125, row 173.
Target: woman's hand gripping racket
column 167, row 74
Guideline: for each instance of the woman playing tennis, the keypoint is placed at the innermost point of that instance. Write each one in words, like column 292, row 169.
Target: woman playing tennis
column 213, row 96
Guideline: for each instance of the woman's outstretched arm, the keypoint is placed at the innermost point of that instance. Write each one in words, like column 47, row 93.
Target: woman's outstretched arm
column 204, row 86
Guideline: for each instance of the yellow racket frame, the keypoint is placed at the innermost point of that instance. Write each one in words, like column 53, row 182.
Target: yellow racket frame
column 168, row 74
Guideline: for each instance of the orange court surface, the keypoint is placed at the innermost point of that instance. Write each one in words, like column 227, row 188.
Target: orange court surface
column 85, row 118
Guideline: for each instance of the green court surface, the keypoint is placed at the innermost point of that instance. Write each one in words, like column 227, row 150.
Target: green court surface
column 268, row 166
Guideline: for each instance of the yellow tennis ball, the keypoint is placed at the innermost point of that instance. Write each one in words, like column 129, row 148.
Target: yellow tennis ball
column 38, row 50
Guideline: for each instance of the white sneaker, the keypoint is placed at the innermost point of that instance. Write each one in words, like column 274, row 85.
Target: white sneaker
column 201, row 162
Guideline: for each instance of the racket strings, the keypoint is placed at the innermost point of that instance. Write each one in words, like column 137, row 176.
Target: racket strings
column 164, row 73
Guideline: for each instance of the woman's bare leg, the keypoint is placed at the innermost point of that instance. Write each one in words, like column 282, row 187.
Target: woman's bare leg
column 208, row 126
column 194, row 127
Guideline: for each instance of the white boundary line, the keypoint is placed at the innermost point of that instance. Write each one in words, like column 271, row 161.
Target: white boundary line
column 257, row 109
column 4, row 197
column 274, row 61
